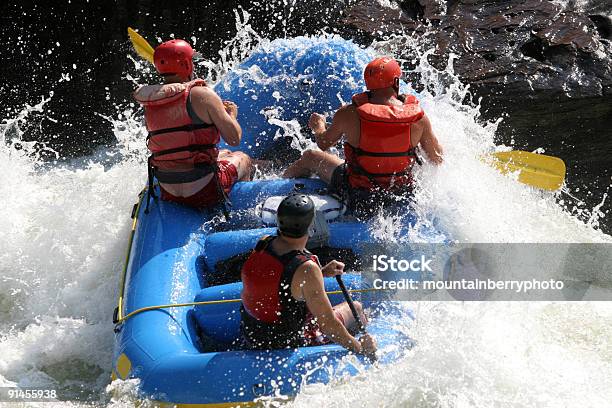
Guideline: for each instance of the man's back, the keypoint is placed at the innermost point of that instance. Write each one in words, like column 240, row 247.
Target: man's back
column 350, row 124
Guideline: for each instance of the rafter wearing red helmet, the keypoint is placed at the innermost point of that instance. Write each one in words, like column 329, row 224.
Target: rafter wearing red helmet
column 381, row 131
column 174, row 57
column 382, row 73
column 186, row 120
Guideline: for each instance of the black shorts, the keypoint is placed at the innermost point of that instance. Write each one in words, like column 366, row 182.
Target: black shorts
column 365, row 203
column 338, row 184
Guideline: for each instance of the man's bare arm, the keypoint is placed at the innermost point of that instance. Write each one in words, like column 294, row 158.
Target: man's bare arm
column 327, row 138
column 313, row 289
column 429, row 142
column 206, row 103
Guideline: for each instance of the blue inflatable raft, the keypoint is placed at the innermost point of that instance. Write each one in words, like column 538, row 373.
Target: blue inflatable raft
column 178, row 311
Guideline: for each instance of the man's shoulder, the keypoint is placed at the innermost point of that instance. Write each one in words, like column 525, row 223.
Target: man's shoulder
column 204, row 97
column 423, row 120
column 349, row 107
column 346, row 112
column 308, row 266
column 202, row 90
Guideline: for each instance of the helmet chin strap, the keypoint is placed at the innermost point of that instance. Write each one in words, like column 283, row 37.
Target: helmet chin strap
column 396, row 86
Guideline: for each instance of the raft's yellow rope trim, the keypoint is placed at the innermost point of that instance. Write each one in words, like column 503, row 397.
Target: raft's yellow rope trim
column 120, row 317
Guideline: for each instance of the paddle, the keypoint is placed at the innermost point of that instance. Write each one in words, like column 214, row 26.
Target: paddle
column 537, row 170
column 141, row 46
column 349, row 300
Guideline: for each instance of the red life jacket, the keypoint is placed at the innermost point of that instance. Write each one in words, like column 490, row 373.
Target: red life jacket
column 385, row 154
column 271, row 316
column 181, row 151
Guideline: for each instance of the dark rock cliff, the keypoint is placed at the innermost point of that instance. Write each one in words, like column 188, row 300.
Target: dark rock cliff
column 545, row 68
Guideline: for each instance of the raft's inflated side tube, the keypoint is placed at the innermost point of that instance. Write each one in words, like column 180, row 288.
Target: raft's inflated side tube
column 223, row 245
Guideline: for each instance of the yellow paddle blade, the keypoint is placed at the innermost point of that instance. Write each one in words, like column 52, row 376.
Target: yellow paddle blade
column 538, row 170
column 141, row 46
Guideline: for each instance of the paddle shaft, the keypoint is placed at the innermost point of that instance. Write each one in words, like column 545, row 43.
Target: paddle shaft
column 347, row 296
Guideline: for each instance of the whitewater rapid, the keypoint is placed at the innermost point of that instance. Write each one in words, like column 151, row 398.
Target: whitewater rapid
column 64, row 229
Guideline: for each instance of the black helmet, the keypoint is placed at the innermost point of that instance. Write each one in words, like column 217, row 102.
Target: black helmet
column 294, row 215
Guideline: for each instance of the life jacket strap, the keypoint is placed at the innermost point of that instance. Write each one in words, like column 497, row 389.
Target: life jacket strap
column 296, row 261
column 360, row 152
column 150, row 186
column 357, row 169
column 190, row 148
column 178, row 177
column 263, row 243
column 185, row 128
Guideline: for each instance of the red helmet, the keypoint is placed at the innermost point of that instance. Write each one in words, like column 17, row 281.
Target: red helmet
column 381, row 73
column 174, row 57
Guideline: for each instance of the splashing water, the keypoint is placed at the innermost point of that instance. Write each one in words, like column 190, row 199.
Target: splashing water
column 63, row 233
column 64, row 230
column 498, row 354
